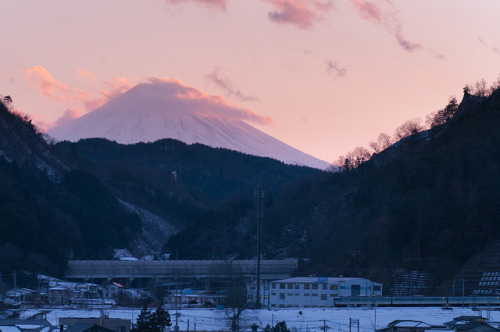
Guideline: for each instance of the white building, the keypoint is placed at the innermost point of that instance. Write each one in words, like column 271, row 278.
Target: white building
column 318, row 291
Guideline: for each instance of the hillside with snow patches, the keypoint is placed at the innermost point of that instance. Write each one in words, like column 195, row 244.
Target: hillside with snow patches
column 166, row 109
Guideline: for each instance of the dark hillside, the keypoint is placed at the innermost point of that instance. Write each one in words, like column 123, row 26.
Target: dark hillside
column 177, row 181
column 430, row 203
column 45, row 212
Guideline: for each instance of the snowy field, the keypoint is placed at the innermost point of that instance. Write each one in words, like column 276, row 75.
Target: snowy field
column 305, row 319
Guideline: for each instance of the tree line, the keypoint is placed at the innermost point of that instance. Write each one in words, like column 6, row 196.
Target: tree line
column 360, row 154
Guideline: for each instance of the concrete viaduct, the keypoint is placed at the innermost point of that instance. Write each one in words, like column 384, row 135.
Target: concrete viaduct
column 186, row 269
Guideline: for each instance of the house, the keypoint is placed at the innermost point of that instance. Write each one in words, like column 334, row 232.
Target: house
column 22, row 325
column 83, row 327
column 94, row 324
column 476, row 326
column 113, row 290
column 58, row 295
column 462, row 320
column 318, row 291
column 410, row 326
column 190, row 297
column 21, row 295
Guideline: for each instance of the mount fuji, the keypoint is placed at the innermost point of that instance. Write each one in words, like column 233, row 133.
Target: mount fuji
column 160, row 109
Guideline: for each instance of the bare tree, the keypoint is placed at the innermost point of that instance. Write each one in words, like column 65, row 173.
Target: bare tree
column 410, row 127
column 481, row 88
column 383, row 142
column 353, row 159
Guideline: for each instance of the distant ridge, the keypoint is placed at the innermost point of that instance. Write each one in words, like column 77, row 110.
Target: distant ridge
column 160, row 109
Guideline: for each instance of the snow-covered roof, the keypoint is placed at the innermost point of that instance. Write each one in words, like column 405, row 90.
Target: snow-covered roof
column 9, row 329
column 319, row 279
column 58, row 288
column 411, row 323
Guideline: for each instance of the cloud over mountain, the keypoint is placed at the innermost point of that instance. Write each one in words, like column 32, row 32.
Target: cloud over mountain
column 161, row 108
column 227, row 85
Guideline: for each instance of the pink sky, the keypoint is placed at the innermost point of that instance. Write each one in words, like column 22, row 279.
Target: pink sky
column 326, row 76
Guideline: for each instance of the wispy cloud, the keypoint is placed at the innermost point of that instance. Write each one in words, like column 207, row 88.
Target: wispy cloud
column 198, row 102
column 227, row 85
column 303, row 14
column 492, row 48
column 334, row 69
column 52, row 88
column 211, row 4
column 114, row 88
column 385, row 14
column 86, row 74
column 76, row 101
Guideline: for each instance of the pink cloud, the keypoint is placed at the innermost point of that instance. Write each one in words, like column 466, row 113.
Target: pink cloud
column 118, row 86
column 384, row 14
column 300, row 13
column 212, row 4
column 51, row 88
column 227, row 85
column 68, row 115
column 201, row 103
column 40, row 121
column 86, row 74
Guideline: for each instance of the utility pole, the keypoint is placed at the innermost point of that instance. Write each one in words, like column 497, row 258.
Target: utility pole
column 260, row 195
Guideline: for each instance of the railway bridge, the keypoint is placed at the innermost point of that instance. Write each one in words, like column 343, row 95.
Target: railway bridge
column 186, row 269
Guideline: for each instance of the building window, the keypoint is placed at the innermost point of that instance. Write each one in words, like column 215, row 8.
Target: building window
column 273, row 286
column 290, row 294
column 290, row 285
column 314, row 286
column 282, row 286
column 282, row 296
column 324, row 286
column 333, row 295
column 323, row 296
column 376, row 288
column 307, row 286
column 306, row 294
column 334, row 287
column 297, row 286
column 273, row 293
column 314, row 294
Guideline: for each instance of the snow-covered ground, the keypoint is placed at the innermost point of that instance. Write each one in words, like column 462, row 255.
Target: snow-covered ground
column 299, row 319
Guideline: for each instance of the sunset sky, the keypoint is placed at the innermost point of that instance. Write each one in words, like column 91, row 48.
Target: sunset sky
column 322, row 76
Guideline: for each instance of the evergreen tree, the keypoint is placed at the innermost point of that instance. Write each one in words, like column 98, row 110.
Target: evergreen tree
column 152, row 321
column 279, row 327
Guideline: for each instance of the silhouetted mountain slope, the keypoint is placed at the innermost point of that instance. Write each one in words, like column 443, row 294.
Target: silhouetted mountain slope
column 75, row 199
column 48, row 211
column 181, row 183
column 428, row 203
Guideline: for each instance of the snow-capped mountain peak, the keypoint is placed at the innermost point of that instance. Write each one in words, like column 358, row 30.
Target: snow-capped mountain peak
column 169, row 109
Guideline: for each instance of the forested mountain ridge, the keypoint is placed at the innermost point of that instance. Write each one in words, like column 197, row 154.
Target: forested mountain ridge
column 49, row 211
column 77, row 200
column 429, row 203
